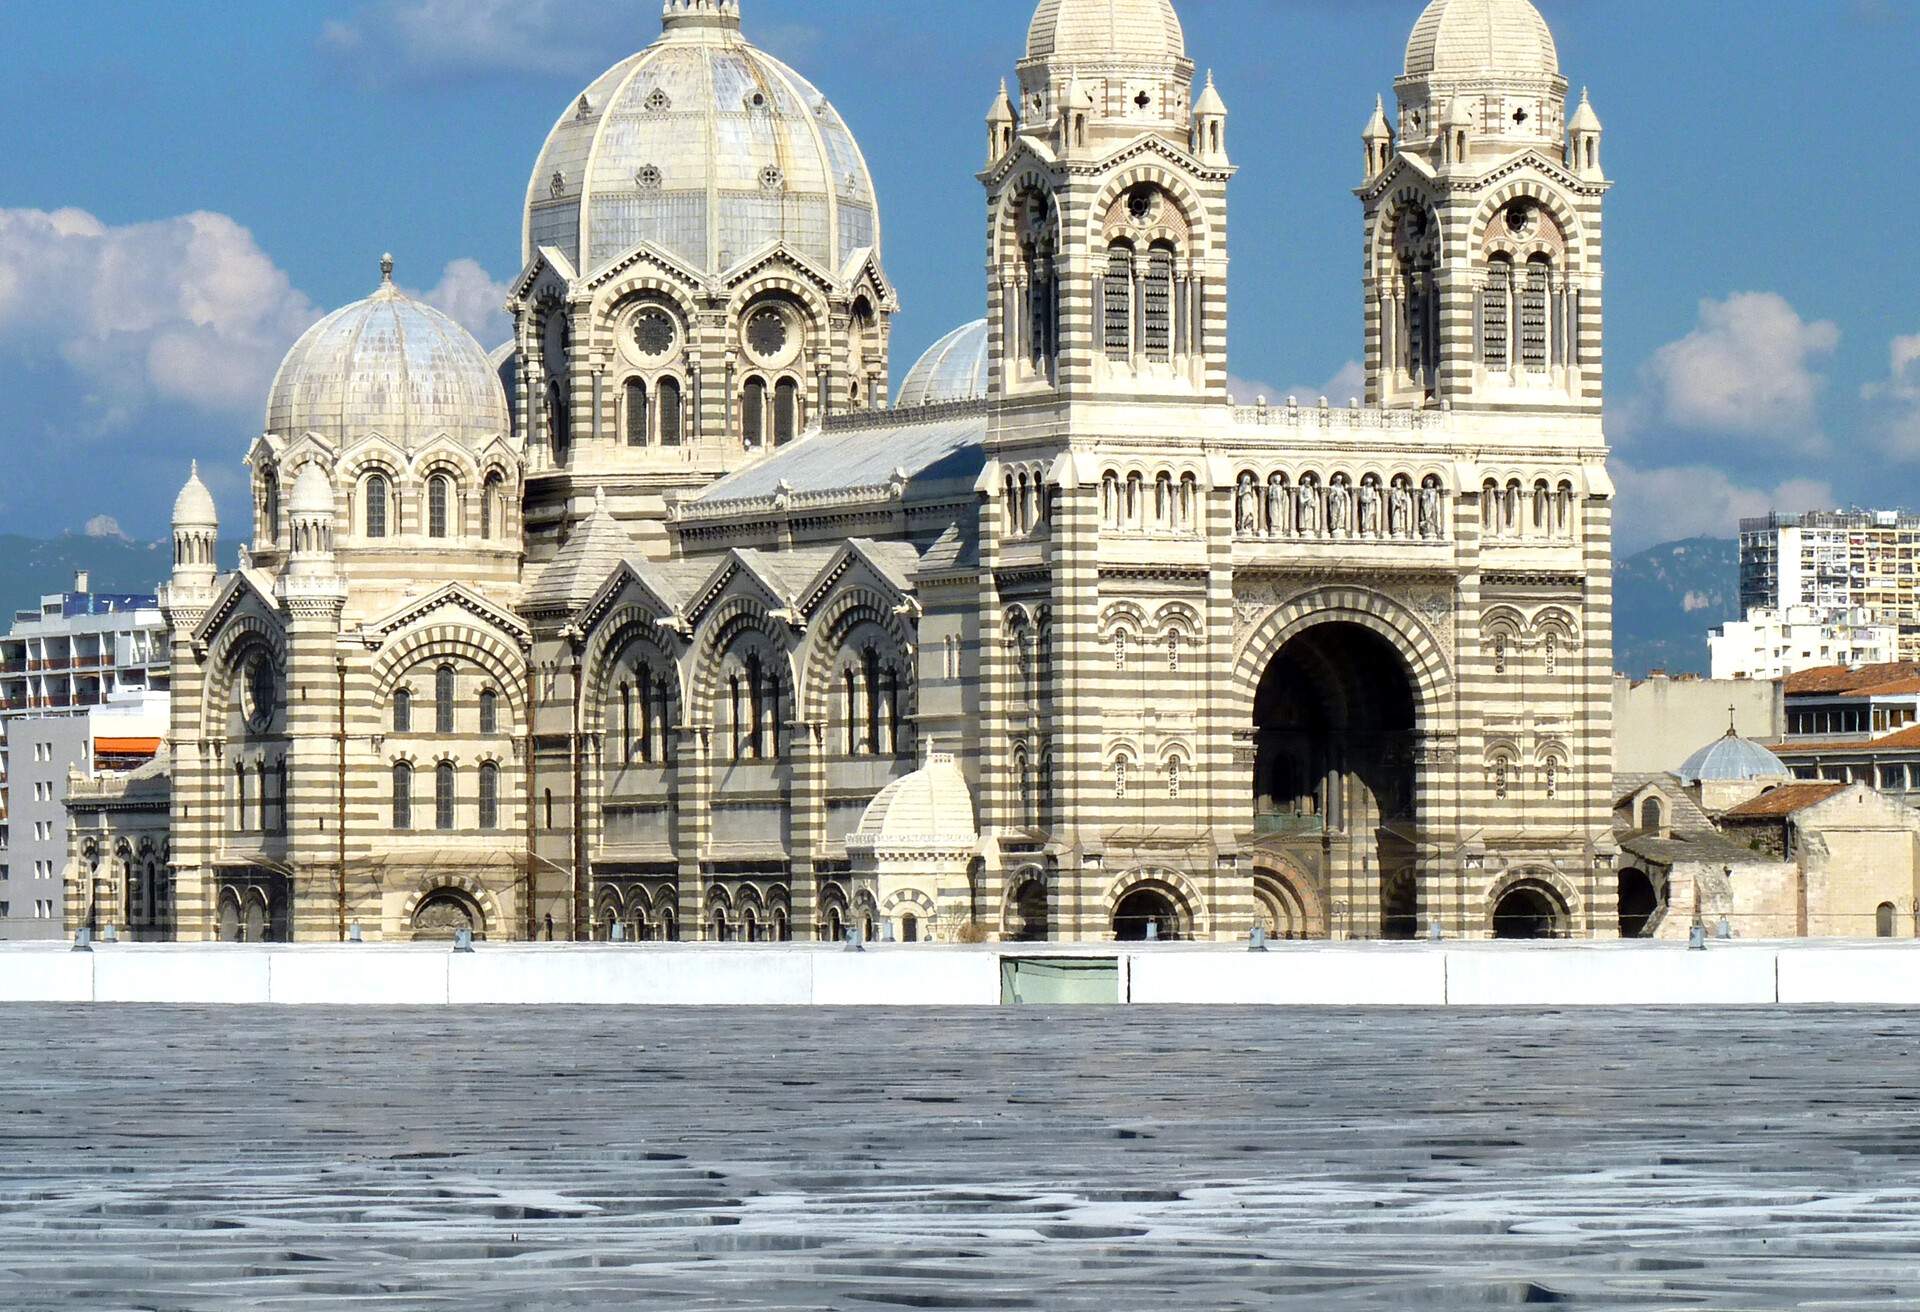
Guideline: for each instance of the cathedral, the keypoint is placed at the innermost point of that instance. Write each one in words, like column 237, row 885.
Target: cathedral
column 666, row 621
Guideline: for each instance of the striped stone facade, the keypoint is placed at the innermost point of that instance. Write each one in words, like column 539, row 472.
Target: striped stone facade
column 1337, row 671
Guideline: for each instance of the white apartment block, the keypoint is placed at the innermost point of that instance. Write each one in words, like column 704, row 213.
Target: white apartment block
column 1771, row 644
column 1835, row 561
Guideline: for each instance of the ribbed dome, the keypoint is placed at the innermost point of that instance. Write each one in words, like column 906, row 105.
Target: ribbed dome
column 930, row 808
column 389, row 365
column 1461, row 38
column 1140, row 29
column 710, row 149
column 1733, row 759
column 312, row 491
column 194, row 507
column 953, row 369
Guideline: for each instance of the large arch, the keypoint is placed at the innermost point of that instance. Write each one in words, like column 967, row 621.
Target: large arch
column 1286, row 900
column 1530, row 904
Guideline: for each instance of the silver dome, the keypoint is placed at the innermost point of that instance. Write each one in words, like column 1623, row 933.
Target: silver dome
column 1733, row 759
column 388, row 365
column 194, row 507
column 710, row 149
column 1462, row 38
column 953, row 369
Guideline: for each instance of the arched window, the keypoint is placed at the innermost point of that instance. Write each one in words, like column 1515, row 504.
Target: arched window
column 753, row 413
column 439, row 498
column 402, row 711
column 1496, row 301
column 786, row 411
column 626, row 724
column 1116, row 300
column 1883, row 922
column 669, row 426
column 443, row 785
column 1650, row 815
column 1120, row 778
column 489, row 796
column 1533, row 315
column 1157, row 305
column 402, row 795
column 636, row 404
column 270, row 508
column 374, row 515
column 490, row 506
column 489, row 711
column 240, row 797
column 443, row 699
column 559, row 424
column 1173, row 776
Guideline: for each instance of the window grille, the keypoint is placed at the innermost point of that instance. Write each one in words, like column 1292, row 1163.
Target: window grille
column 786, row 411
column 443, row 795
column 753, row 413
column 376, row 512
column 1117, row 303
column 1495, row 299
column 1157, row 305
column 403, row 711
column 636, row 412
column 1533, row 318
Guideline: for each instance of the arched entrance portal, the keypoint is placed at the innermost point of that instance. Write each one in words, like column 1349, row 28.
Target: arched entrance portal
column 444, row 913
column 1334, row 778
column 1529, row 911
column 1143, row 907
column 1638, row 901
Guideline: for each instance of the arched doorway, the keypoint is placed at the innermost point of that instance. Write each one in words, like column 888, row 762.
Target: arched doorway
column 442, row 914
column 1638, row 901
column 1027, row 911
column 1529, row 911
column 254, row 920
column 1285, row 901
column 1335, row 780
column 230, row 924
column 1144, row 906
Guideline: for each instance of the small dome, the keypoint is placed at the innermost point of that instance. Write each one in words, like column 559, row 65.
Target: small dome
column 1210, row 101
column 312, row 491
column 390, row 365
column 953, row 369
column 1464, row 38
column 930, row 808
column 1133, row 29
column 194, row 507
column 707, row 147
column 1733, row 759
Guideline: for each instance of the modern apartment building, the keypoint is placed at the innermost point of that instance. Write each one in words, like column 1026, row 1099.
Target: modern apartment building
column 1834, row 561
column 83, row 685
column 1771, row 644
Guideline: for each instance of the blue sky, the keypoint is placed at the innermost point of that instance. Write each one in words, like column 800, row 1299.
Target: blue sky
column 190, row 182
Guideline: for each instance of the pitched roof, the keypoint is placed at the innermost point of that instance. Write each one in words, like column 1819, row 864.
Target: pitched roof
column 940, row 446
column 1829, row 679
column 595, row 547
column 1784, row 801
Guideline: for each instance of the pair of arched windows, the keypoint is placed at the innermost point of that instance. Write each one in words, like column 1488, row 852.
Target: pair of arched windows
column 377, row 519
column 654, row 416
column 870, row 706
column 446, row 795
column 644, row 736
column 764, row 410
column 1514, row 314
column 1137, row 299
column 445, row 689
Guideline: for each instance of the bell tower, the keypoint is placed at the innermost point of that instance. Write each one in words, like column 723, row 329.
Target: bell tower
column 1483, row 221
column 1107, row 243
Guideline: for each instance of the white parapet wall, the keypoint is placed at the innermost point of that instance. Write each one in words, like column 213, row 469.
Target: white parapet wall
column 796, row 975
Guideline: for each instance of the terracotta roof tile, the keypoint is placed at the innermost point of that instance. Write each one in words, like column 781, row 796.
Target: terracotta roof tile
column 1900, row 740
column 1785, row 800
column 1838, row 678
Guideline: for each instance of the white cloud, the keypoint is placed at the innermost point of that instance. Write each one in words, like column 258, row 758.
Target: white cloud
column 105, row 526
column 1347, row 383
column 1751, row 367
column 444, row 38
column 1685, row 501
column 187, row 310
column 1897, row 401
column 476, row 302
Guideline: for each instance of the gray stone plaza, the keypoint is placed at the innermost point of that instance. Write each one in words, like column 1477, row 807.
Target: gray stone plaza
column 1091, row 1159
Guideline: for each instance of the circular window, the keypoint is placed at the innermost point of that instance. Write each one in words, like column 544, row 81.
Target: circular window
column 767, row 335
column 658, row 102
column 257, row 692
column 648, row 177
column 654, row 332
column 771, row 178
column 1522, row 219
column 1143, row 203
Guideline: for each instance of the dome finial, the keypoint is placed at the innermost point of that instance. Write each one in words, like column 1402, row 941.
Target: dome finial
column 386, row 269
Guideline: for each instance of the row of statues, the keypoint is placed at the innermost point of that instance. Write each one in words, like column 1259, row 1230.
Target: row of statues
column 1276, row 509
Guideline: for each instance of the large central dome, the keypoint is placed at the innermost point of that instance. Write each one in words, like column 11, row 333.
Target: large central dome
column 707, row 147
column 1148, row 29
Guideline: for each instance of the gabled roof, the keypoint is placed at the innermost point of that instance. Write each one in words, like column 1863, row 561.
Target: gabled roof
column 596, row 547
column 457, row 595
column 1785, row 800
column 1829, row 679
column 237, row 586
column 947, row 446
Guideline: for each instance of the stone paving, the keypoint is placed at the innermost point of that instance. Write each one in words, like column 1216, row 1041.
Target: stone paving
column 174, row 1159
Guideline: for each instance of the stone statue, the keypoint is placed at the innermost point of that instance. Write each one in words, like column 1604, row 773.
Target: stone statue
column 1369, row 510
column 1400, row 513
column 1429, row 512
column 1247, row 513
column 1339, row 502
column 1276, row 506
column 1309, row 510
